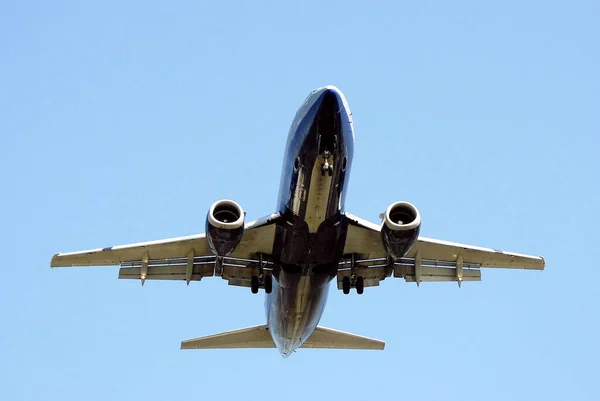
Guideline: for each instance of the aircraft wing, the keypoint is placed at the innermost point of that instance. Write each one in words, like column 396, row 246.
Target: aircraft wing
column 428, row 260
column 183, row 258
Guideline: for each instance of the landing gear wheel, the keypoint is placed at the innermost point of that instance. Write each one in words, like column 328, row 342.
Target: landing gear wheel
column 346, row 285
column 254, row 284
column 360, row 285
column 327, row 169
column 268, row 284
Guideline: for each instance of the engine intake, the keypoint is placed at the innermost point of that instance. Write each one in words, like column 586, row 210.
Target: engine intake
column 402, row 223
column 224, row 226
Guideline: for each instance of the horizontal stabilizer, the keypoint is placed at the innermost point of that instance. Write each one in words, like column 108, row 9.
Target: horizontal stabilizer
column 324, row 337
column 251, row 337
column 260, row 337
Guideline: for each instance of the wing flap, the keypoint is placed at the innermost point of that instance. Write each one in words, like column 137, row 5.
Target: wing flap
column 439, row 274
column 375, row 273
column 324, row 337
column 167, row 273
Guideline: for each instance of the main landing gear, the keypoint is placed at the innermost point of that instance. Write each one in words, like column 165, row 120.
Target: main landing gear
column 262, row 280
column 356, row 282
column 353, row 280
column 266, row 281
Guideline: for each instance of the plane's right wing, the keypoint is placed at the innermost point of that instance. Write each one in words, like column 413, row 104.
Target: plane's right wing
column 428, row 260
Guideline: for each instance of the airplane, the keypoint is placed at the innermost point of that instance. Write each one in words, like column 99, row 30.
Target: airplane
column 308, row 242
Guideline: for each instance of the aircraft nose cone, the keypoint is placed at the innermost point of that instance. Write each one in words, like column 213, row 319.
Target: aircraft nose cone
column 327, row 89
column 327, row 121
column 330, row 96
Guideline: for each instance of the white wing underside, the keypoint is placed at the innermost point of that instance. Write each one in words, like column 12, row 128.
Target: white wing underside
column 186, row 258
column 428, row 260
column 190, row 259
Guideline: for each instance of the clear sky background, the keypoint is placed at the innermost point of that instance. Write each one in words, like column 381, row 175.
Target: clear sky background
column 124, row 121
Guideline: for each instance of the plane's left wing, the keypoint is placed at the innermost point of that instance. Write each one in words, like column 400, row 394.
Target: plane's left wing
column 428, row 260
column 183, row 258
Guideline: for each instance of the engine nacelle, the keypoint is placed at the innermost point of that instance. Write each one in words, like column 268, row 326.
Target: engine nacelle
column 224, row 227
column 400, row 230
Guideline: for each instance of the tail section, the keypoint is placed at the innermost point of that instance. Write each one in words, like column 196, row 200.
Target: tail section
column 251, row 337
column 324, row 337
column 260, row 337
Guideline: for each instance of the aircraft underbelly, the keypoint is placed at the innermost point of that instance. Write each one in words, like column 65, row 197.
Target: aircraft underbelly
column 296, row 305
column 318, row 197
column 311, row 233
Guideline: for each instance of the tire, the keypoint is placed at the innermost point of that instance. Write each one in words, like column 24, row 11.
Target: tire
column 360, row 285
column 346, row 285
column 254, row 284
column 268, row 284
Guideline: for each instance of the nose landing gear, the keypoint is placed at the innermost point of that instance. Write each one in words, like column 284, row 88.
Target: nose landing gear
column 326, row 168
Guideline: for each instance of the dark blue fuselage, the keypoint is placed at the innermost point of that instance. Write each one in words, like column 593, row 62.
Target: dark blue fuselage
column 311, row 233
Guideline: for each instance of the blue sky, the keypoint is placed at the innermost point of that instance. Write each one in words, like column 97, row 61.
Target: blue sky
column 123, row 122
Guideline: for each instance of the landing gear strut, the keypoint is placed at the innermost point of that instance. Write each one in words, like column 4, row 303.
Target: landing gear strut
column 326, row 168
column 353, row 280
column 264, row 280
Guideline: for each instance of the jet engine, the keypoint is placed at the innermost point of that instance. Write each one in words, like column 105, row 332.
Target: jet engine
column 224, row 227
column 400, row 230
